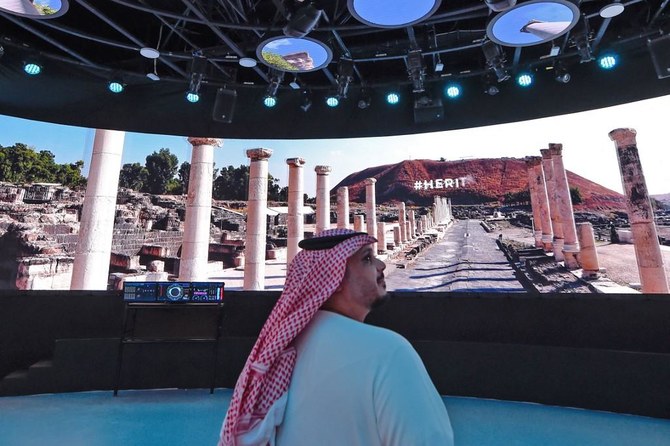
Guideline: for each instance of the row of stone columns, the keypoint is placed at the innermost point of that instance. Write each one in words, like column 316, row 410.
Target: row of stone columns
column 554, row 227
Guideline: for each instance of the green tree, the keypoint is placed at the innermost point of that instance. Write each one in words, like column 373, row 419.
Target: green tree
column 575, row 195
column 22, row 164
column 133, row 176
column 44, row 9
column 277, row 61
column 161, row 168
column 232, row 183
column 183, row 175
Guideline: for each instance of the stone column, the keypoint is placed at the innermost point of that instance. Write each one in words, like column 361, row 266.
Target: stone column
column 564, row 201
column 409, row 230
column 588, row 256
column 396, row 236
column 381, row 237
column 371, row 209
column 640, row 214
column 545, row 213
column 254, row 250
column 531, row 162
column 94, row 246
column 401, row 222
column 195, row 244
column 359, row 223
column 322, row 198
column 296, row 213
column 412, row 226
column 343, row 207
column 556, row 224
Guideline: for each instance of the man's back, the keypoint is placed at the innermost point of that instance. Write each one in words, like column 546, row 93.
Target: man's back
column 355, row 384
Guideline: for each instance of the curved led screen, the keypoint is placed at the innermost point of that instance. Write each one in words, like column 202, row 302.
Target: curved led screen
column 294, row 55
column 533, row 23
column 37, row 9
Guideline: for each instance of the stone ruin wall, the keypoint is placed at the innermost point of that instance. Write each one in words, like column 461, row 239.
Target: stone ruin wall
column 38, row 241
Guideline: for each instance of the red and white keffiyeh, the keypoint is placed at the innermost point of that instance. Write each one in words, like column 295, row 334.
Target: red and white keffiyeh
column 313, row 276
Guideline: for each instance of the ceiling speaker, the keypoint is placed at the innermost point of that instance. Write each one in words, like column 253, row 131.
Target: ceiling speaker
column 224, row 106
column 660, row 55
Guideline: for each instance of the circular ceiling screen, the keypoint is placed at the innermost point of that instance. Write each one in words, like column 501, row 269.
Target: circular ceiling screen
column 295, row 55
column 35, row 9
column 533, row 22
column 392, row 13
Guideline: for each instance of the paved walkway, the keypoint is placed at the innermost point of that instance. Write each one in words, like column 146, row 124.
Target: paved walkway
column 467, row 259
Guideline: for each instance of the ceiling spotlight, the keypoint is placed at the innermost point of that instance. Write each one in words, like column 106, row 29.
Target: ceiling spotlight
column 392, row 98
column 332, row 101
column 581, row 39
column 150, row 53
column 294, row 83
column 607, row 61
column 365, row 100
column 524, row 79
column 116, row 87
column 302, row 21
column 153, row 76
column 452, row 91
column 495, row 59
column 345, row 75
column 198, row 68
column 269, row 101
column 247, row 62
column 192, row 97
column 491, row 89
column 32, row 68
column 562, row 76
column 306, row 101
column 416, row 70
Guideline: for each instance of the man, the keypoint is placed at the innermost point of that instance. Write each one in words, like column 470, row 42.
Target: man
column 318, row 376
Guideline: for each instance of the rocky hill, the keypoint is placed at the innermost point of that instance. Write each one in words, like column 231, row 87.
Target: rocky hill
column 472, row 181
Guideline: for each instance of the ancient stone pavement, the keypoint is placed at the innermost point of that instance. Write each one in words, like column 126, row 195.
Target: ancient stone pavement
column 467, row 259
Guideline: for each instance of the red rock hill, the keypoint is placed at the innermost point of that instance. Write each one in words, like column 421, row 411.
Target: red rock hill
column 472, row 181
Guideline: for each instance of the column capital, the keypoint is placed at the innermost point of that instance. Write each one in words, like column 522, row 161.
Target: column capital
column 370, row 181
column 532, row 161
column 295, row 162
column 322, row 170
column 546, row 154
column 259, row 154
column 556, row 149
column 204, row 141
column 343, row 189
column 623, row 137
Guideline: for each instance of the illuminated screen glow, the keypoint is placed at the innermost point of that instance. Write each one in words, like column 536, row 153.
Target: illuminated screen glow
column 38, row 9
column 392, row 13
column 533, row 23
column 294, row 55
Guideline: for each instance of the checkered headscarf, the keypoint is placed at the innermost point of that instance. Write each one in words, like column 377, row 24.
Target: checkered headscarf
column 313, row 276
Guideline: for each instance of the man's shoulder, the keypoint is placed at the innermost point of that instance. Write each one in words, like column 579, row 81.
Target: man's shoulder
column 358, row 332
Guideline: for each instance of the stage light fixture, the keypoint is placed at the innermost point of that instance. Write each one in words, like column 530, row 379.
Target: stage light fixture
column 302, row 21
column 495, row 59
column 491, row 89
column 524, row 79
column 416, row 70
column 392, row 98
column 116, row 87
column 452, row 91
column 580, row 37
column 32, row 68
column 192, row 97
column 345, row 75
column 500, row 5
column 561, row 74
column 306, row 103
column 364, row 100
column 269, row 101
column 332, row 101
column 607, row 61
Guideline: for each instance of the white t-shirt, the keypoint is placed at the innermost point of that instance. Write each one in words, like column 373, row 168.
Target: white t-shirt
column 356, row 384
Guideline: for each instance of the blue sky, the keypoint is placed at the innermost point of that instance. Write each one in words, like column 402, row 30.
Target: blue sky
column 587, row 149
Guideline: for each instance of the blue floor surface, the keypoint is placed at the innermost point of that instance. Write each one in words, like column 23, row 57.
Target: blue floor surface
column 193, row 417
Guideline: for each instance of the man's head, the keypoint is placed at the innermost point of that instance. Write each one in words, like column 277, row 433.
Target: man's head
column 362, row 288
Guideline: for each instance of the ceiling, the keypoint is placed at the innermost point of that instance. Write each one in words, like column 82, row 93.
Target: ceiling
column 94, row 42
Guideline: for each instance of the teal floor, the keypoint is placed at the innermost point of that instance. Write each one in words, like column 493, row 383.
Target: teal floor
column 193, row 417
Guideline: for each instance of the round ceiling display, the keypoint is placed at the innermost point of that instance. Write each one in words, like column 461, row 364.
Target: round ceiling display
column 294, row 55
column 37, row 9
column 533, row 23
column 392, row 13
